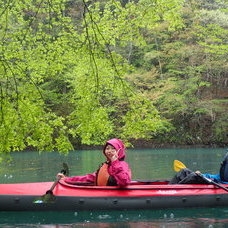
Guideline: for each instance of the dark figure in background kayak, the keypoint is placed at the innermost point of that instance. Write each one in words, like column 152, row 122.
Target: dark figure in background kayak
column 115, row 171
column 186, row 176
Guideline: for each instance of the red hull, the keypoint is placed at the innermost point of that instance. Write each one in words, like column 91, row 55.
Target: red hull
column 137, row 195
column 133, row 190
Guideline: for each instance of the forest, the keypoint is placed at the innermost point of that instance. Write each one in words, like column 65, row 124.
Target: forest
column 78, row 72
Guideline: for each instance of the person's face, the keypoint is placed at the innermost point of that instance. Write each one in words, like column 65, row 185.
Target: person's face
column 111, row 152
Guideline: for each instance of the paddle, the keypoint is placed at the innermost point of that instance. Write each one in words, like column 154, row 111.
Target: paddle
column 49, row 197
column 178, row 165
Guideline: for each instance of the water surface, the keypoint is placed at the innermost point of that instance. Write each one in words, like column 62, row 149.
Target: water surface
column 145, row 164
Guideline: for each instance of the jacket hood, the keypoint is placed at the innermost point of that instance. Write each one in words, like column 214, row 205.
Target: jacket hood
column 118, row 145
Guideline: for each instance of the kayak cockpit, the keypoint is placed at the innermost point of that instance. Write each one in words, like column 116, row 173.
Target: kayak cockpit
column 133, row 182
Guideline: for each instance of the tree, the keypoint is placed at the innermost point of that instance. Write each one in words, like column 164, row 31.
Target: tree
column 51, row 59
column 184, row 73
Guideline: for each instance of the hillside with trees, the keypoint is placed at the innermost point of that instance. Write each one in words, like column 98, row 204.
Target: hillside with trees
column 184, row 74
column 79, row 72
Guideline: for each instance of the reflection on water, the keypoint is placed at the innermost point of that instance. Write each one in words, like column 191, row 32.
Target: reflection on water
column 212, row 217
column 145, row 164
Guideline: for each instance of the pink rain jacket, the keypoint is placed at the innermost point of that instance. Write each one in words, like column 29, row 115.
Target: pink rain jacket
column 118, row 169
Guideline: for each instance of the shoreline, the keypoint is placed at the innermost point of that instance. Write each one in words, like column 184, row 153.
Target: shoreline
column 150, row 145
column 143, row 144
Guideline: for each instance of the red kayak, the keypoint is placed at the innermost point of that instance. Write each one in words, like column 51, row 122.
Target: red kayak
column 137, row 195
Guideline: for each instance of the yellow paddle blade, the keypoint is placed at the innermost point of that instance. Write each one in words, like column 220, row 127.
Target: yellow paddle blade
column 178, row 165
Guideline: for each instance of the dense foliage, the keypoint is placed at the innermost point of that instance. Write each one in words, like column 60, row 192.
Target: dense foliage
column 79, row 72
column 185, row 74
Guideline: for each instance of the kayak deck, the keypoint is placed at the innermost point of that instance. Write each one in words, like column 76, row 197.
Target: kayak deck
column 149, row 187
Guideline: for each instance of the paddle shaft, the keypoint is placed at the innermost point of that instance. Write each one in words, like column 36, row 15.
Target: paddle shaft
column 50, row 191
column 212, row 182
column 49, row 197
column 65, row 171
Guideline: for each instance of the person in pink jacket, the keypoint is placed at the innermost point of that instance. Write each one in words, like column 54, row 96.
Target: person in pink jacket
column 114, row 172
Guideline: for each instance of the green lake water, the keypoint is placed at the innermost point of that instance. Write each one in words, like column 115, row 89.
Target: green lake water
column 145, row 164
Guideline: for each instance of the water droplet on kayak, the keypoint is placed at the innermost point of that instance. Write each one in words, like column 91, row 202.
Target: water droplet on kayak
column 171, row 215
column 104, row 216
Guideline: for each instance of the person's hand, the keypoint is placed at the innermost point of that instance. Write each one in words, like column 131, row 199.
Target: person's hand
column 112, row 155
column 197, row 172
column 60, row 176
